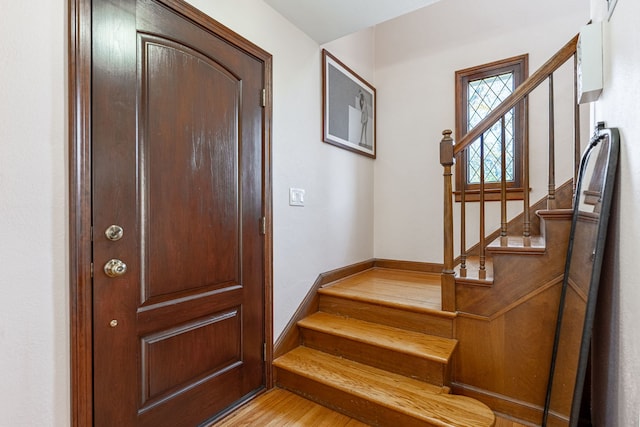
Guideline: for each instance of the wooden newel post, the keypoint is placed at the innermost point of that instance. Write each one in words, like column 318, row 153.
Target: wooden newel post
column 448, row 274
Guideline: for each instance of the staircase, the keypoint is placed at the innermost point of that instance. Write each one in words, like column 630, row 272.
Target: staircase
column 381, row 359
column 506, row 289
column 487, row 340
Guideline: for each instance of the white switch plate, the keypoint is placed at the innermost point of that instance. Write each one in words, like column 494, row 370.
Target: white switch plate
column 296, row 197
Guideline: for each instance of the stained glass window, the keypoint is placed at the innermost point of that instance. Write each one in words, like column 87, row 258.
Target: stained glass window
column 479, row 91
column 483, row 96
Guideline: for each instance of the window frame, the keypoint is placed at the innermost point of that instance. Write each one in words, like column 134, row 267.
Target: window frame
column 519, row 66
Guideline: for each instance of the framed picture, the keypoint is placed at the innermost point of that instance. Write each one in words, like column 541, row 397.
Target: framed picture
column 348, row 108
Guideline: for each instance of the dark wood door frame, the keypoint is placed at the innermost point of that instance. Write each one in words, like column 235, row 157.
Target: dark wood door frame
column 80, row 175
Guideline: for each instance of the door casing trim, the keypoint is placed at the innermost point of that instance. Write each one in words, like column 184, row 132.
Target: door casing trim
column 80, row 175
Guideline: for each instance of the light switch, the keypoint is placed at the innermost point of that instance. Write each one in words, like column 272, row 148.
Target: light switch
column 296, row 197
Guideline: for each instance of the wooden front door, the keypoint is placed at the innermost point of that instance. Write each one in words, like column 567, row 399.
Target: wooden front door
column 177, row 206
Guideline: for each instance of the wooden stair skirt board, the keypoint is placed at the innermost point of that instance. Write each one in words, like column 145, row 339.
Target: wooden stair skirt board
column 375, row 396
column 515, row 242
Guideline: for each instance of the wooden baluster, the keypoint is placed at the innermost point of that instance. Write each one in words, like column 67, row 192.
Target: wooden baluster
column 526, row 226
column 463, row 226
column 503, row 185
column 448, row 280
column 551, row 195
column 482, row 272
column 576, row 124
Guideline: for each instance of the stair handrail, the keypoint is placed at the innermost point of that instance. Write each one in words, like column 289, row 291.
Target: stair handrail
column 449, row 149
column 556, row 61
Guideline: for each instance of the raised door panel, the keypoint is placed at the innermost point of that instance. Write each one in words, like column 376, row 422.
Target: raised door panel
column 177, row 155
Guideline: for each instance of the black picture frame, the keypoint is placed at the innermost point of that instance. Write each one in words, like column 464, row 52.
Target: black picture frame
column 348, row 108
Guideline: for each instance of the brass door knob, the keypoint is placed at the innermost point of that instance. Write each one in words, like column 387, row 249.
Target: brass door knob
column 115, row 268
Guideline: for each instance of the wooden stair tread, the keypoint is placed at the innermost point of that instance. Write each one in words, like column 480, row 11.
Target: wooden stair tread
column 472, row 274
column 403, row 341
column 407, row 290
column 535, row 245
column 414, row 398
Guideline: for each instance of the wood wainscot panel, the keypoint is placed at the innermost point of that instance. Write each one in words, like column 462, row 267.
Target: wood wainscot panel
column 503, row 360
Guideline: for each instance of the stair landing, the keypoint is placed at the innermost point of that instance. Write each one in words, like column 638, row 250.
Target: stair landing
column 409, row 290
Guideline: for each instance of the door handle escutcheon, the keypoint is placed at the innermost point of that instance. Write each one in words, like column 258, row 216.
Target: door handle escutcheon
column 115, row 268
column 114, row 232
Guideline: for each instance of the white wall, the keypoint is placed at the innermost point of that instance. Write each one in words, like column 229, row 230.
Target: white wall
column 34, row 324
column 335, row 228
column 416, row 59
column 616, row 360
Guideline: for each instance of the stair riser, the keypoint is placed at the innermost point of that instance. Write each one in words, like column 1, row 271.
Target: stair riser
column 430, row 371
column 411, row 321
column 346, row 403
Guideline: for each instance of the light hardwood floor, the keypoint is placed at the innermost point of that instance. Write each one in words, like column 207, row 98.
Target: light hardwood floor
column 280, row 408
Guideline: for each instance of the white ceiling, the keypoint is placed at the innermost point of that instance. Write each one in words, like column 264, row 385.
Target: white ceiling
column 327, row 20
